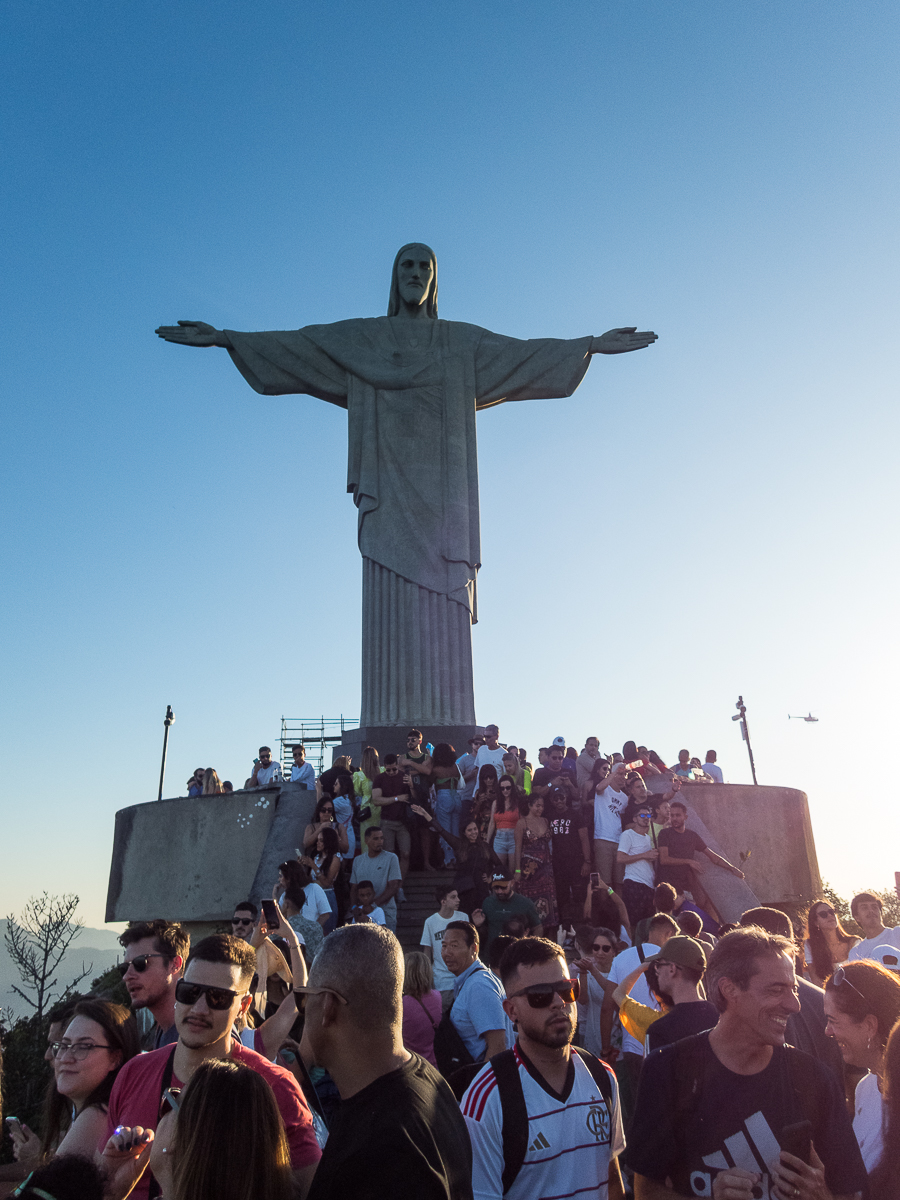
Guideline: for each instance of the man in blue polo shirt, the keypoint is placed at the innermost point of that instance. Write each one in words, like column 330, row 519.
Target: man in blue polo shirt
column 477, row 1013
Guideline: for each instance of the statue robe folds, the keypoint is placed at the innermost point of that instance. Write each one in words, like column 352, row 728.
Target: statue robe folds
column 411, row 389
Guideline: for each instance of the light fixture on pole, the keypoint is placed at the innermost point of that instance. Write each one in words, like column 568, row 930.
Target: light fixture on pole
column 741, row 715
column 169, row 720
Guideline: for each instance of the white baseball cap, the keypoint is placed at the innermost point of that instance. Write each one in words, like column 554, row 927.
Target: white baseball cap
column 560, row 741
column 888, row 956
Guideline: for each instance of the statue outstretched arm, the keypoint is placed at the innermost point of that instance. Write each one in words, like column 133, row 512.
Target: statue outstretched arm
column 621, row 341
column 193, row 333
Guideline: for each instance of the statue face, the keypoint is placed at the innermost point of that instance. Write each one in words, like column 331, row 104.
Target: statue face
column 415, row 273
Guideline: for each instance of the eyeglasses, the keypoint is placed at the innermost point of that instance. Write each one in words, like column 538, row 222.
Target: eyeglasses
column 217, row 998
column 139, row 963
column 840, row 977
column 311, row 991
column 78, row 1050
column 242, row 920
column 601, row 948
column 540, row 995
column 505, row 787
column 645, row 816
column 824, row 910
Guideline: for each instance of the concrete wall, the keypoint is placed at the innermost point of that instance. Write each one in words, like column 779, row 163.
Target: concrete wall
column 192, row 860
column 773, row 824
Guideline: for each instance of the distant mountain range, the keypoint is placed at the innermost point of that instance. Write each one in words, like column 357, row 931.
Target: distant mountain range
column 98, row 949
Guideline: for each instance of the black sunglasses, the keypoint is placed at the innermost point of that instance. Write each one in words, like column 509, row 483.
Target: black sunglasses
column 139, row 963
column 216, row 997
column 598, row 946
column 540, row 995
column 242, row 920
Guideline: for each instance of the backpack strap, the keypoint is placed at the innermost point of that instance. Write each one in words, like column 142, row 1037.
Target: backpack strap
column 515, row 1115
column 600, row 1074
column 640, row 949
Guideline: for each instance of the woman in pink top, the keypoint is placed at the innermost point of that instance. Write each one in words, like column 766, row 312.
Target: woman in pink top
column 421, row 1006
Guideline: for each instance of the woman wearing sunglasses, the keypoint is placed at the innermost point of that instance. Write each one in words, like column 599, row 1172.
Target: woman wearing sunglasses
column 100, row 1037
column 324, row 818
column 862, row 1005
column 504, row 818
column 597, row 948
column 827, row 943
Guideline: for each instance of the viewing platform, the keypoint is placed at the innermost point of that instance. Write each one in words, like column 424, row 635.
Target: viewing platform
column 192, row 860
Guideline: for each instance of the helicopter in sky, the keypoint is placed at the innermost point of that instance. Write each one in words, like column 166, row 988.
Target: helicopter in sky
column 808, row 718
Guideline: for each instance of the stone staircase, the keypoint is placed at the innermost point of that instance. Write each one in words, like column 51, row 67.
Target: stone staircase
column 418, row 887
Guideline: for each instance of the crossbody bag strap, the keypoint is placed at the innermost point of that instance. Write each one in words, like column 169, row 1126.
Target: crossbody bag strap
column 426, row 1012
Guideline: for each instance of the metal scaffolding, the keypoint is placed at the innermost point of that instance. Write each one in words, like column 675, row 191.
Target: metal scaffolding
column 317, row 734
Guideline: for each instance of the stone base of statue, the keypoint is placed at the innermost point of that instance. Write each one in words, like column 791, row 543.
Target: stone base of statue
column 391, row 739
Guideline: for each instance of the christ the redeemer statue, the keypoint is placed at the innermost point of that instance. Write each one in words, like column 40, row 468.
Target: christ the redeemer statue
column 411, row 385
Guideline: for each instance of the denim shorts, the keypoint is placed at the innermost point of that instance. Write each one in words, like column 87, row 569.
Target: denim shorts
column 505, row 841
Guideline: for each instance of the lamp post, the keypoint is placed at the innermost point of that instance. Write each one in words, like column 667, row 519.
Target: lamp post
column 169, row 720
column 741, row 716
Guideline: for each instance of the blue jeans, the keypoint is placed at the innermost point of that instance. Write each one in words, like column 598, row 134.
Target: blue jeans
column 447, row 807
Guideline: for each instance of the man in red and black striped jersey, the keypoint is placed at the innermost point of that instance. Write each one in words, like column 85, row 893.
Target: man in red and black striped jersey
column 568, row 1132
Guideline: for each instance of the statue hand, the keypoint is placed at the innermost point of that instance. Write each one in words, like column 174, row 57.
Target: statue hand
column 191, row 333
column 621, row 341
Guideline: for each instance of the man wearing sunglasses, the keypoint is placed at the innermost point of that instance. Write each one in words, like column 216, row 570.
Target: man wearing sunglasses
column 738, row 1113
column 155, row 954
column 213, row 992
column 565, row 1139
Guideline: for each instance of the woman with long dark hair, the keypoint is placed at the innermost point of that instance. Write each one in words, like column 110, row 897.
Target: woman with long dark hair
column 304, row 904
column 344, row 799
column 827, row 943
column 324, row 867
column 505, row 814
column 100, row 1037
column 862, row 1006
column 225, row 1141
column 485, row 795
column 324, row 818
column 534, row 869
column 476, row 862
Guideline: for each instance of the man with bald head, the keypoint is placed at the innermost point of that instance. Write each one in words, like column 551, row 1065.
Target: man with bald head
column 398, row 1131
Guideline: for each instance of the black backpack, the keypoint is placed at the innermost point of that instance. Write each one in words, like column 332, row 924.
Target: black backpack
column 512, row 1104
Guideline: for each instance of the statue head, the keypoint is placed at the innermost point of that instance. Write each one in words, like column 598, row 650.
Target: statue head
column 416, row 250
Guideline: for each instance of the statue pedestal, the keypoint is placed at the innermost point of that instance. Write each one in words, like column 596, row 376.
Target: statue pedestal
column 391, row 739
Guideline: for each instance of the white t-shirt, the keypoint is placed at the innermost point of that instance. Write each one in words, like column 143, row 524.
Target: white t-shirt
column 887, row 937
column 608, row 804
column 642, row 871
column 570, row 1143
column 433, row 936
column 868, row 1121
column 316, row 903
column 714, row 771
column 623, row 964
column 269, row 774
column 494, row 757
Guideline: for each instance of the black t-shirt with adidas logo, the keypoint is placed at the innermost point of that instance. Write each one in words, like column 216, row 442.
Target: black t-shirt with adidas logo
column 735, row 1120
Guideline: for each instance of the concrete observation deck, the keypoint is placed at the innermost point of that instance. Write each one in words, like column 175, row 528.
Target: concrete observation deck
column 192, row 860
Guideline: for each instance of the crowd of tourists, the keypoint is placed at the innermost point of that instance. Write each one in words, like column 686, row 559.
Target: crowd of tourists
column 301, row 1053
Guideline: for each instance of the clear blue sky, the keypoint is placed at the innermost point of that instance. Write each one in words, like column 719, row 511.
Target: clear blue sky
column 714, row 515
